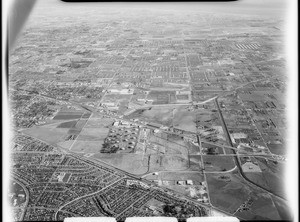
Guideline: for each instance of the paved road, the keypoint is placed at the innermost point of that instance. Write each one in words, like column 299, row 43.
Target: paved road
column 237, row 162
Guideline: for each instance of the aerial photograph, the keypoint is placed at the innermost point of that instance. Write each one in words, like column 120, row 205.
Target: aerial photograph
column 149, row 109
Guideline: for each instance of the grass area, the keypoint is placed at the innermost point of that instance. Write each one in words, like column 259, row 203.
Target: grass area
column 283, row 209
column 162, row 115
column 218, row 163
column 93, row 134
column 87, row 146
column 49, row 135
column 80, row 124
column 68, row 124
column 66, row 116
column 263, row 206
column 132, row 163
column 195, row 162
column 278, row 149
column 99, row 122
column 171, row 145
column 257, row 178
column 273, row 174
column 227, row 195
column 66, row 144
column 184, row 119
column 168, row 162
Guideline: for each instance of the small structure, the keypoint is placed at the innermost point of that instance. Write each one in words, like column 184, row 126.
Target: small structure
column 181, row 182
column 189, row 182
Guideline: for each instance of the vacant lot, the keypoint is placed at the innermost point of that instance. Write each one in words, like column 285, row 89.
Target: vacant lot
column 195, row 162
column 68, row 115
column 168, row 162
column 80, row 124
column 226, row 195
column 171, row 145
column 132, row 163
column 87, row 146
column 162, row 115
column 49, row 135
column 257, row 178
column 273, row 174
column 99, row 122
column 93, row 134
column 184, row 119
column 262, row 208
column 67, row 124
column 66, row 144
column 215, row 163
column 282, row 208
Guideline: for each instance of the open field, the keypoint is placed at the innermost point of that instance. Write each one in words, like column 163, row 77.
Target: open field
column 262, row 208
column 257, row 178
column 168, row 162
column 226, row 194
column 214, row 163
column 99, row 122
column 48, row 135
column 162, row 97
column 87, row 146
column 68, row 124
column 66, row 144
column 195, row 162
column 208, row 148
column 74, row 131
column 132, row 163
column 93, row 134
column 184, row 119
column 278, row 149
column 80, row 124
column 162, row 115
column 171, row 145
column 193, row 148
column 273, row 174
column 283, row 208
column 68, row 115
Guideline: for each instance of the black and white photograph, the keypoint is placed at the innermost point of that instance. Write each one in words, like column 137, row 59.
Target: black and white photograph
column 151, row 109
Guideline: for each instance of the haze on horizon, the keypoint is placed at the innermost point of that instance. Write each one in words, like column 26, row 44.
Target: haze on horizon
column 266, row 8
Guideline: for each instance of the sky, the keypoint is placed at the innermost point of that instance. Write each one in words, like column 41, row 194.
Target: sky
column 269, row 8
